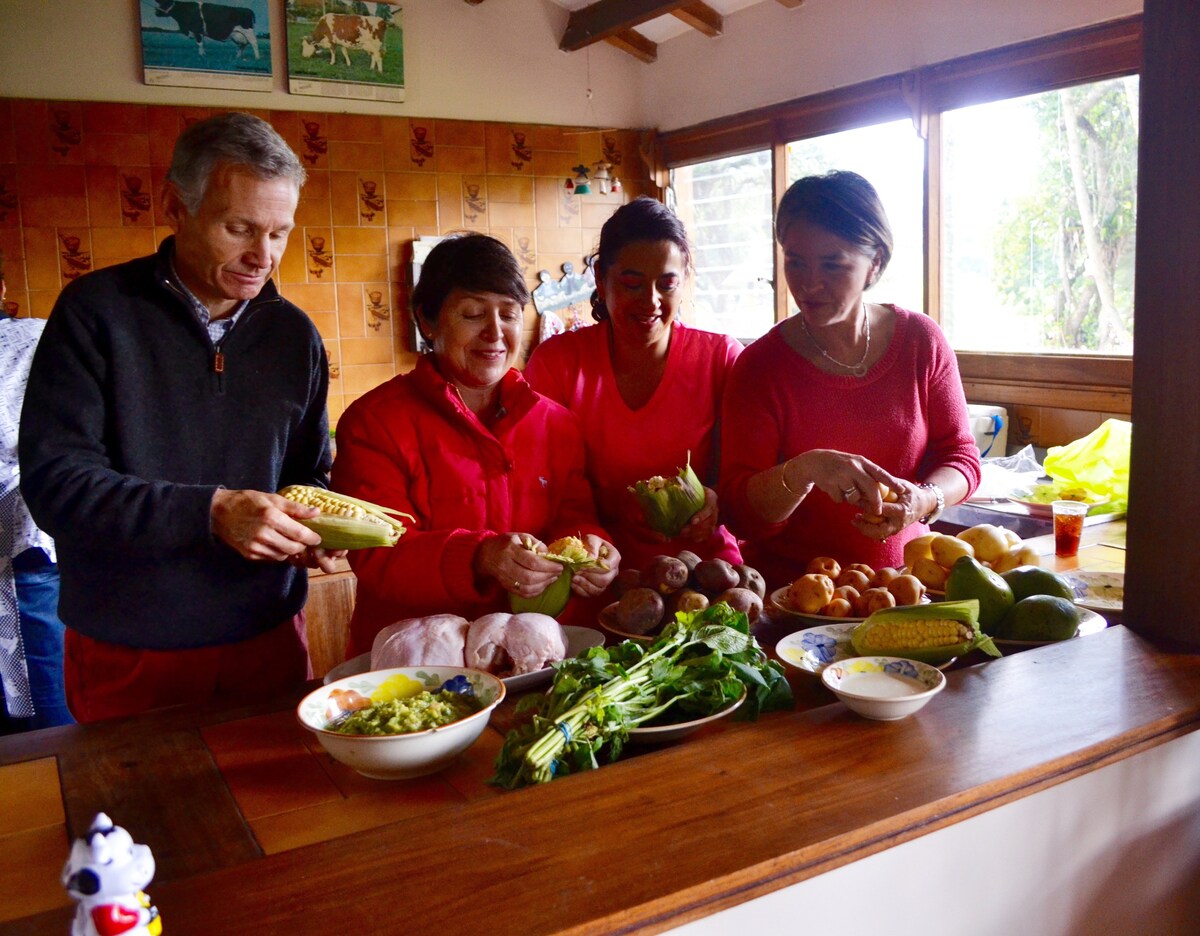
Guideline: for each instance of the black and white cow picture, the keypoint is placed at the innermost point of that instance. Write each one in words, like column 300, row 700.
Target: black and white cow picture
column 221, row 22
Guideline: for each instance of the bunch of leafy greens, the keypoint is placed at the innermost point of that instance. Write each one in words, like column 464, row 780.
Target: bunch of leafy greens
column 702, row 662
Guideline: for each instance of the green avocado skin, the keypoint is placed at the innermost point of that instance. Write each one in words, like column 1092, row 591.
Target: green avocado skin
column 1033, row 580
column 1040, row 617
column 969, row 579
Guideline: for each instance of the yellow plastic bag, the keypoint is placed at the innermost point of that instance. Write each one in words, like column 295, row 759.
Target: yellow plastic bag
column 1099, row 462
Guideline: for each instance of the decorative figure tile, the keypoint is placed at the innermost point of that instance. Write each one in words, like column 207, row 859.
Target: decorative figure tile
column 319, row 259
column 568, row 208
column 315, row 145
column 335, row 369
column 525, row 254
column 611, row 153
column 377, row 310
column 370, row 202
column 474, row 204
column 76, row 262
column 522, row 152
column 134, row 202
column 12, row 308
column 64, row 136
column 8, row 199
column 420, row 149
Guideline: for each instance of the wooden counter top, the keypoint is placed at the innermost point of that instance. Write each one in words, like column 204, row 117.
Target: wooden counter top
column 640, row 845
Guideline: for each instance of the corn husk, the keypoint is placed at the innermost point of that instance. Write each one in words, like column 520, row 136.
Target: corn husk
column 966, row 636
column 346, row 522
column 669, row 503
column 573, row 555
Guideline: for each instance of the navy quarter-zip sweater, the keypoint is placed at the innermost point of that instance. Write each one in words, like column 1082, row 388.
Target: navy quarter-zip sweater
column 132, row 420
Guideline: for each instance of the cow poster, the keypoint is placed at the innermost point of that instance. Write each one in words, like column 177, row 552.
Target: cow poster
column 345, row 48
column 204, row 44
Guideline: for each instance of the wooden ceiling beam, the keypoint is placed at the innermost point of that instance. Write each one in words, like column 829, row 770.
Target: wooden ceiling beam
column 701, row 17
column 608, row 18
column 634, row 43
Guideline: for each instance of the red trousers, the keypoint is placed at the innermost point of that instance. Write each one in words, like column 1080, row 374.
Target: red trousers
column 105, row 680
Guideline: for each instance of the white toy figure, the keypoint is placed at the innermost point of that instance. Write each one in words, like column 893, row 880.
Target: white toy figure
column 106, row 873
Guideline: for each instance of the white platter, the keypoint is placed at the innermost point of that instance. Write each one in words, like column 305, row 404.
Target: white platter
column 1089, row 623
column 665, row 734
column 1037, row 499
column 578, row 640
column 1097, row 591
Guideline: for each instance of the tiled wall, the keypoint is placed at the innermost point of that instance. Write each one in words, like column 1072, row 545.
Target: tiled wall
column 79, row 184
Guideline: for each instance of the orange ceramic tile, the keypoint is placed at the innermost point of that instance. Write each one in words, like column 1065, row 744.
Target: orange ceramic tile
column 359, row 378
column 136, row 191
column 291, row 266
column 10, row 202
column 310, row 297
column 29, row 797
column 547, row 191
column 316, row 185
column 377, row 307
column 41, row 302
column 551, row 163
column 128, row 242
column 75, row 255
column 13, row 244
column 417, row 214
column 315, row 245
column 16, row 303
column 356, row 127
column 459, row 132
column 116, row 149
column 459, row 203
column 359, row 240
column 463, row 159
column 163, row 126
column 41, row 258
column 567, row 206
column 313, row 145
column 510, row 150
column 104, row 117
column 561, row 139
column 52, row 196
column 312, row 211
column 372, row 199
column 356, row 268
column 424, row 151
column 63, row 133
column 426, row 230
column 593, row 213
column 343, row 197
column 30, row 144
column 267, row 766
column 513, row 189
column 333, row 356
column 367, row 351
column 411, row 186
column 326, row 323
column 560, row 240
column 345, row 155
column 335, row 406
column 503, row 214
column 351, row 316
column 33, row 858
column 524, row 247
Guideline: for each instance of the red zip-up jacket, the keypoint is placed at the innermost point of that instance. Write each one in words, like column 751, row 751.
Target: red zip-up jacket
column 413, row 445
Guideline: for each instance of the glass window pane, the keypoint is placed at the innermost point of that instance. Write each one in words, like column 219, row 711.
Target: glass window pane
column 726, row 206
column 1039, row 210
column 891, row 156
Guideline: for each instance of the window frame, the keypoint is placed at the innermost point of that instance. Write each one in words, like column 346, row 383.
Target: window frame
column 1094, row 53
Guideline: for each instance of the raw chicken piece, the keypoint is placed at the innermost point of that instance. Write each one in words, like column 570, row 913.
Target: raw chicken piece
column 514, row 644
column 435, row 640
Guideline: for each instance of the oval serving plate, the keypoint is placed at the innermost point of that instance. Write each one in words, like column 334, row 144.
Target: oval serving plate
column 814, row 648
column 1037, row 499
column 779, row 602
column 1089, row 623
column 578, row 640
column 665, row 734
column 1097, row 591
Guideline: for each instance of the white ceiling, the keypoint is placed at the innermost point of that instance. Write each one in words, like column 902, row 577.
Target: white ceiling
column 663, row 28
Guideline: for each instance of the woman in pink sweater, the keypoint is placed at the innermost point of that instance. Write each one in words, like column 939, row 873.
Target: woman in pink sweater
column 839, row 399
column 646, row 388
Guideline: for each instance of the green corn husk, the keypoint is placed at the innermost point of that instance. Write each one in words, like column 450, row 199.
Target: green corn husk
column 570, row 551
column 669, row 503
column 346, row 522
column 931, row 633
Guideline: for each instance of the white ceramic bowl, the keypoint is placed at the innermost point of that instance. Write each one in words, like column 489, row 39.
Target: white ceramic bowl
column 398, row 757
column 883, row 688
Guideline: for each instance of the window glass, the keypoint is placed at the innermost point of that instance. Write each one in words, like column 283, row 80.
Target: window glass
column 1039, row 198
column 726, row 206
column 891, row 156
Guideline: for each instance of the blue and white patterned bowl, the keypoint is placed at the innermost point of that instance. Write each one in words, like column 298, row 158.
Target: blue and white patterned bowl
column 398, row 757
column 814, row 648
column 883, row 688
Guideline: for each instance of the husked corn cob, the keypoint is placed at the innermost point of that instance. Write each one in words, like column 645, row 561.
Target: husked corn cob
column 933, row 633
column 346, row 522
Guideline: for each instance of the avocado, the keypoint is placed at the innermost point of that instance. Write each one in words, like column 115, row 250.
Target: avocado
column 1040, row 617
column 1029, row 580
column 970, row 579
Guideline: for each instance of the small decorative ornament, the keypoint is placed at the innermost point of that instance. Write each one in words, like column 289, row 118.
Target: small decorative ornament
column 106, row 873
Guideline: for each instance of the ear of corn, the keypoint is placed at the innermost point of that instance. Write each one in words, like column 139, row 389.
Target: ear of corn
column 669, row 503
column 346, row 522
column 573, row 555
column 932, row 633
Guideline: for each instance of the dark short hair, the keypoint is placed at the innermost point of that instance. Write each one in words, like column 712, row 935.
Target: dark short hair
column 229, row 139
column 843, row 203
column 474, row 262
column 642, row 219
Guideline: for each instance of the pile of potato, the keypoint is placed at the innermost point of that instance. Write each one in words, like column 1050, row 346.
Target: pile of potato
column 930, row 557
column 856, row 590
column 648, row 598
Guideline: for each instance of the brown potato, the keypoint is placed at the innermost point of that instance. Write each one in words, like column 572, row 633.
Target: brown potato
column 906, row 589
column 854, row 578
column 714, row 576
column 744, row 600
column 883, row 576
column 811, row 592
column 751, row 579
column 824, row 565
column 688, row 558
column 872, row 600
column 838, row 608
column 849, row 592
column 640, row 611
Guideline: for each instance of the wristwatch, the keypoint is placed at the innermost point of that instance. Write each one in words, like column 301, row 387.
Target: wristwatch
column 932, row 516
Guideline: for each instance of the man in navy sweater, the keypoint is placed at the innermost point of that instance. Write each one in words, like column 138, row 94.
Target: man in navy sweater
column 168, row 399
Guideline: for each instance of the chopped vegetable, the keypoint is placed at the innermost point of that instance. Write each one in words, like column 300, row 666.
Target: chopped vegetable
column 420, row 712
column 702, row 662
column 669, row 503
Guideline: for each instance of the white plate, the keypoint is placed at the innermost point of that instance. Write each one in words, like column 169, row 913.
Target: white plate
column 1097, row 591
column 578, row 640
column 814, row 648
column 664, row 734
column 1089, row 623
column 1037, row 498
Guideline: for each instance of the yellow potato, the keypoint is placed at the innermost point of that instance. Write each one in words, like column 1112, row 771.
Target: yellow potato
column 1017, row 556
column 987, row 540
column 918, row 548
column 930, row 574
column 810, row 593
column 947, row 550
column 1013, row 539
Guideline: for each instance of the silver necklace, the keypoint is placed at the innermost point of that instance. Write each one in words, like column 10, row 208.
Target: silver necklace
column 859, row 369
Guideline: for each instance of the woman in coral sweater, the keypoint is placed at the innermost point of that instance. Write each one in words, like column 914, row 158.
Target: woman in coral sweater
column 839, row 399
column 646, row 388
column 488, row 468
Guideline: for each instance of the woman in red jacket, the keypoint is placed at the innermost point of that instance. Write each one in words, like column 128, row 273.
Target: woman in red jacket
column 489, row 468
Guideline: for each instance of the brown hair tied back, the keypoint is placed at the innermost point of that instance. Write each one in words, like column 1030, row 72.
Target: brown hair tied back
column 642, row 219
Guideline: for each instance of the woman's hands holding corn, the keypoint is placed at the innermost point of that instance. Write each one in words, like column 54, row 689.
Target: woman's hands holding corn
column 592, row 581
column 703, row 524
column 514, row 560
column 263, row 527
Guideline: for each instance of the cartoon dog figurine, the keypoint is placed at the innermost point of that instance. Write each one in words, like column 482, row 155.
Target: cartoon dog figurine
column 106, row 873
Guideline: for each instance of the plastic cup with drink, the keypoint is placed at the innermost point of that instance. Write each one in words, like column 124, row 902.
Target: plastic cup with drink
column 1068, row 526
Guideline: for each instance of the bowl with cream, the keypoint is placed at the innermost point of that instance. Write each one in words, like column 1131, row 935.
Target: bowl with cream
column 883, row 688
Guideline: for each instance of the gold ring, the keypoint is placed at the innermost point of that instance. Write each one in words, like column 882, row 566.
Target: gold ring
column 516, row 585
